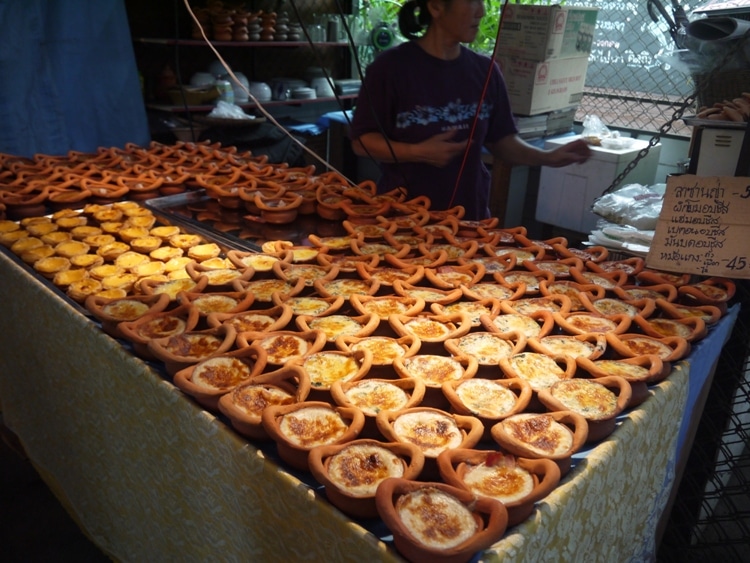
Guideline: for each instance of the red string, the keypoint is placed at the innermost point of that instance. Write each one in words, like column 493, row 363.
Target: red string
column 475, row 121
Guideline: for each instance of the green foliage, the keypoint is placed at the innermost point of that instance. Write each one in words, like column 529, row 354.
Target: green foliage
column 485, row 41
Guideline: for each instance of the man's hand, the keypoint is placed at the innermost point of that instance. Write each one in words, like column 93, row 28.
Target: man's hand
column 439, row 150
column 515, row 151
column 571, row 153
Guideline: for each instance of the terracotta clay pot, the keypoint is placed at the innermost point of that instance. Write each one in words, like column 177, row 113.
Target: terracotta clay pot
column 602, row 398
column 351, row 472
column 490, row 400
column 516, row 482
column 212, row 378
column 639, row 371
column 372, row 395
column 300, row 427
column 244, row 404
column 565, row 433
column 433, row 430
column 158, row 325
column 474, row 525
column 112, row 312
column 192, row 346
column 668, row 348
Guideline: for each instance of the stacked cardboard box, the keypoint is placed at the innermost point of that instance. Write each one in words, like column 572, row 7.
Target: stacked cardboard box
column 554, row 122
column 544, row 52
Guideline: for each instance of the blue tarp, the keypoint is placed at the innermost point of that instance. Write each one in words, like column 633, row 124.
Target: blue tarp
column 321, row 125
column 68, row 78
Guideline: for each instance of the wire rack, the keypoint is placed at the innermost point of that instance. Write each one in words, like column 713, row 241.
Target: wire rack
column 711, row 515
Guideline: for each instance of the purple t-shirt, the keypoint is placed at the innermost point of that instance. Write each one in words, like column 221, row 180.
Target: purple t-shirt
column 412, row 96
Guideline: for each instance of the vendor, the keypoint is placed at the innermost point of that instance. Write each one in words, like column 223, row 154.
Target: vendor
column 417, row 106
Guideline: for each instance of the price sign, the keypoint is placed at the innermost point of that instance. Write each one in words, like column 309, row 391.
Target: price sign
column 704, row 227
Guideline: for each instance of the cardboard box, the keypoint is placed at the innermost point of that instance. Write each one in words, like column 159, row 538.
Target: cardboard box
column 540, row 87
column 543, row 33
column 560, row 121
column 532, row 126
column 566, row 194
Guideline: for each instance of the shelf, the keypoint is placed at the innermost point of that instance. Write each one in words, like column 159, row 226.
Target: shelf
column 202, row 43
column 274, row 103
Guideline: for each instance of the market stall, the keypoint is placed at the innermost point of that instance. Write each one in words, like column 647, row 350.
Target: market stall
column 149, row 473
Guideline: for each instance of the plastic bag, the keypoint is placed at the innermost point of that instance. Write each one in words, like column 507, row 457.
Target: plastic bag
column 594, row 130
column 634, row 205
column 225, row 110
column 629, row 239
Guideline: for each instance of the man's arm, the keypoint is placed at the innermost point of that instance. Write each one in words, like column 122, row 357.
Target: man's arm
column 438, row 150
column 515, row 151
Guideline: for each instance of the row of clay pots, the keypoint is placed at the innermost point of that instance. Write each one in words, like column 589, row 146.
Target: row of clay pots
column 30, row 187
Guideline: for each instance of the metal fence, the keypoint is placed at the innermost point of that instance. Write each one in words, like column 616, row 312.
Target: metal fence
column 711, row 516
column 641, row 72
column 629, row 84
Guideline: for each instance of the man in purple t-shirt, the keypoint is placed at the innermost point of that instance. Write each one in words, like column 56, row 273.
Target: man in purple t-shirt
column 417, row 106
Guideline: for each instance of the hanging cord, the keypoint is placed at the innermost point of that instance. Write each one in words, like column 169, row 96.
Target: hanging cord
column 350, row 41
column 475, row 120
column 316, row 52
column 255, row 100
column 178, row 72
column 366, row 91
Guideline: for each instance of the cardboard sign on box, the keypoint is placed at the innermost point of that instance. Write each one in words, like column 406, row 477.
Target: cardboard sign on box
column 542, row 33
column 540, row 87
column 703, row 227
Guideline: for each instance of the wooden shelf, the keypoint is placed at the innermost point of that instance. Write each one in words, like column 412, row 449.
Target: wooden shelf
column 273, row 103
column 202, row 43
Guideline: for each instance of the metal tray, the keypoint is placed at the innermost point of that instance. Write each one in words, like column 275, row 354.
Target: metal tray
column 714, row 123
column 197, row 212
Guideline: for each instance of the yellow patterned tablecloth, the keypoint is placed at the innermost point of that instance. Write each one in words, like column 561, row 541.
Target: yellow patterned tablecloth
column 151, row 476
